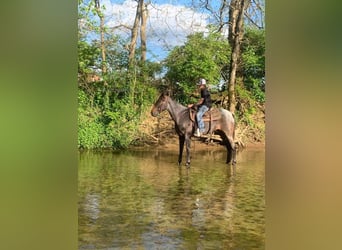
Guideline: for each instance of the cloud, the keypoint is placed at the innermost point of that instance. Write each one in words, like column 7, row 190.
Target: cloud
column 168, row 25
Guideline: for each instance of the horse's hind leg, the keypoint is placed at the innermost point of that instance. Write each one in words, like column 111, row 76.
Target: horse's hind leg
column 181, row 146
column 188, row 145
column 231, row 152
column 234, row 155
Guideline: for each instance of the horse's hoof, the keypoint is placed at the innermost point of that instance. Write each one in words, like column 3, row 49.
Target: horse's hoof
column 231, row 163
column 187, row 164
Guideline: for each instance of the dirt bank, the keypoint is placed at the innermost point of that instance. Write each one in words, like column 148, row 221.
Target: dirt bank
column 159, row 133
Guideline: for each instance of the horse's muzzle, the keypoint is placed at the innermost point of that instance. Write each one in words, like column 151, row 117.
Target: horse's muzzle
column 154, row 112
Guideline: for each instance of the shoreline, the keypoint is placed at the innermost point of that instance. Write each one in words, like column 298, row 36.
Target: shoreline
column 173, row 145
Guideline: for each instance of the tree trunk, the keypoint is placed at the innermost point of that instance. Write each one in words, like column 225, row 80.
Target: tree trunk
column 235, row 36
column 134, row 35
column 103, row 48
column 143, row 30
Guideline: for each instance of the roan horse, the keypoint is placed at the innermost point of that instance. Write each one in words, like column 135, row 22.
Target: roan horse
column 185, row 126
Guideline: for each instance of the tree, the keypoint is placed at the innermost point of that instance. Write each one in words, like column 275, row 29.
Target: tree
column 144, row 14
column 253, row 62
column 233, row 15
column 102, row 34
column 199, row 57
column 254, row 14
column 109, row 114
column 140, row 16
column 235, row 36
column 134, row 34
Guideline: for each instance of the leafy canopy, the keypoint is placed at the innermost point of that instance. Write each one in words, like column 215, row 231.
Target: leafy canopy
column 253, row 62
column 200, row 57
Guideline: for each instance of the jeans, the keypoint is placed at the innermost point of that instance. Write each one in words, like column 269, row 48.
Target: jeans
column 202, row 109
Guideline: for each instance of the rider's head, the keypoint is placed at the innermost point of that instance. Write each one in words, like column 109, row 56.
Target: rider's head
column 201, row 82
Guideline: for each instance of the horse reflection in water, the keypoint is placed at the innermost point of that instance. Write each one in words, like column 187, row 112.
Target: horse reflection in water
column 185, row 126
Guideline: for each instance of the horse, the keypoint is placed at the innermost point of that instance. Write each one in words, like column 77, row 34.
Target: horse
column 224, row 126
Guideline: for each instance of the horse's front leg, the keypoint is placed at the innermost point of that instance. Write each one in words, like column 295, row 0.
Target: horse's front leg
column 188, row 144
column 181, row 146
column 234, row 155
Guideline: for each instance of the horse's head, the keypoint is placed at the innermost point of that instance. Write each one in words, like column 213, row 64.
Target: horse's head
column 160, row 105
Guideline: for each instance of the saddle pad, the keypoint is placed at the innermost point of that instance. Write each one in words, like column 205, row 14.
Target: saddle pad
column 214, row 112
column 215, row 115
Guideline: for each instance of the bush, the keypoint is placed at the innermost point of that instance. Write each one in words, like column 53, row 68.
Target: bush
column 109, row 119
column 91, row 135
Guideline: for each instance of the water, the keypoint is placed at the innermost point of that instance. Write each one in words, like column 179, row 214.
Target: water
column 143, row 200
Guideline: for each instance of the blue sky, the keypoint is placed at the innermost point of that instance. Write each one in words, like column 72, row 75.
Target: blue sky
column 169, row 23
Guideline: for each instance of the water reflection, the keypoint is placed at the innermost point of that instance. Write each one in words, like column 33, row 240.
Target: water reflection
column 144, row 200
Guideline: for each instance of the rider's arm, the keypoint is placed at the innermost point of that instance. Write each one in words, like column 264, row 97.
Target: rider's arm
column 200, row 101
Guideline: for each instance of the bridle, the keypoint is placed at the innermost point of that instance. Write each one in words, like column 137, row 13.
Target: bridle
column 162, row 104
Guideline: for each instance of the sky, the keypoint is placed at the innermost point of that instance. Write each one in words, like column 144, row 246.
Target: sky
column 169, row 23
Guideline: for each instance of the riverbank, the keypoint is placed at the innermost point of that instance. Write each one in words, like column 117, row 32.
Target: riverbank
column 159, row 133
column 169, row 142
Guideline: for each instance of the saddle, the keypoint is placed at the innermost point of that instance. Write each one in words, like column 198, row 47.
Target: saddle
column 212, row 114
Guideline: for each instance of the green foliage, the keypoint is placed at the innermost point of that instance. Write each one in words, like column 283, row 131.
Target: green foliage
column 91, row 132
column 257, row 88
column 88, row 55
column 246, row 105
column 123, row 121
column 110, row 119
column 110, row 110
column 116, row 54
column 209, row 57
column 200, row 57
column 253, row 63
column 87, row 21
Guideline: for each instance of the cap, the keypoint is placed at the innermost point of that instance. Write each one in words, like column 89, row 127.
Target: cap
column 201, row 81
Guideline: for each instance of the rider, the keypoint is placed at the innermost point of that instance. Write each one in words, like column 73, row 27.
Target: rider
column 204, row 104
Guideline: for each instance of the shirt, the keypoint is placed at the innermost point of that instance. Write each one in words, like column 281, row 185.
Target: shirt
column 206, row 96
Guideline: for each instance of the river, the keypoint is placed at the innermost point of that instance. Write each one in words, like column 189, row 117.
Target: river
column 143, row 200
